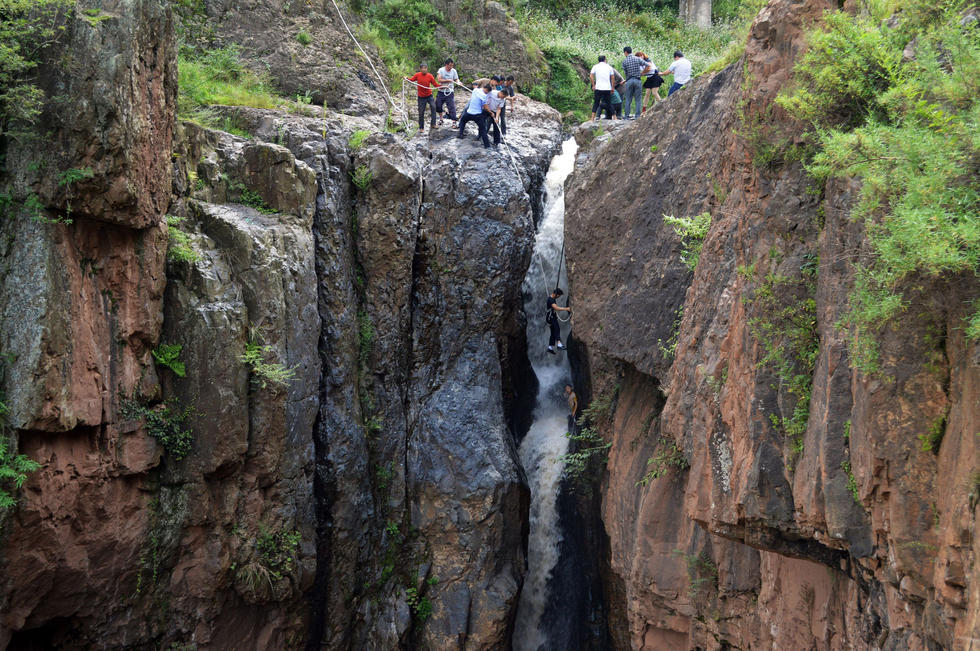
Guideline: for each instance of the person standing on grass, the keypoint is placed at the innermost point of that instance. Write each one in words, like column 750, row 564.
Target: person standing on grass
column 602, row 77
column 476, row 112
column 633, row 68
column 653, row 83
column 446, row 97
column 681, row 69
column 425, row 82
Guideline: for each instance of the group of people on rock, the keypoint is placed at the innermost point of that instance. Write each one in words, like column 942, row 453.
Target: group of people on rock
column 487, row 106
column 607, row 83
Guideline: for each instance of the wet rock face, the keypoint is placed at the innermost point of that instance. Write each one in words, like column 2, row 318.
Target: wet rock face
column 739, row 539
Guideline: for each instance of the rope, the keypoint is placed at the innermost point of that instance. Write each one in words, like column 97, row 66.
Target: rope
column 404, row 112
column 561, row 258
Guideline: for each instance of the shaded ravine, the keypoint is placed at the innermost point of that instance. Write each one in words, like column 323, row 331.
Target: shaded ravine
column 545, row 442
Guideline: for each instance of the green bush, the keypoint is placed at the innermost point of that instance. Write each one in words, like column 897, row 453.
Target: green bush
column 906, row 127
column 27, row 29
column 362, row 177
column 668, row 457
column 590, row 451
column 180, row 248
column 357, row 139
column 14, row 469
column 164, row 422
column 692, row 231
column 304, row 38
column 404, row 32
column 266, row 374
column 168, row 355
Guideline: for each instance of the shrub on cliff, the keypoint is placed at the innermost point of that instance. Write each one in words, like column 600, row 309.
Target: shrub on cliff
column 895, row 101
column 27, row 28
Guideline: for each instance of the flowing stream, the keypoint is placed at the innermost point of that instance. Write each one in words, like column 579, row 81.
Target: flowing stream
column 545, row 441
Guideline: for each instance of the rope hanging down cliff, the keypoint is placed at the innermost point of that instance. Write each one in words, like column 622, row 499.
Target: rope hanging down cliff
column 400, row 109
column 561, row 258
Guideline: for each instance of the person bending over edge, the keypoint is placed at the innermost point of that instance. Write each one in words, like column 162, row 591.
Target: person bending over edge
column 552, row 318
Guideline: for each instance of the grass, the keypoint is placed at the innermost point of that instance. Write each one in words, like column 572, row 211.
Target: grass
column 180, row 248
column 572, row 42
column 271, row 375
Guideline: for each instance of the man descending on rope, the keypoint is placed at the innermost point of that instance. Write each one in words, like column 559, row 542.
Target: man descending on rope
column 572, row 401
column 425, row 82
column 447, row 78
column 552, row 319
column 476, row 112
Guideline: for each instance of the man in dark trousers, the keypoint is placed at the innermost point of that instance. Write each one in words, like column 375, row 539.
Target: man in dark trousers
column 425, row 82
column 552, row 319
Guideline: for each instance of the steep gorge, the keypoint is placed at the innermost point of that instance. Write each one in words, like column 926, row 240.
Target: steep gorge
column 747, row 537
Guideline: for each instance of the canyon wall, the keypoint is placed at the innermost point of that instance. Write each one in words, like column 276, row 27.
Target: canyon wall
column 845, row 533
column 370, row 497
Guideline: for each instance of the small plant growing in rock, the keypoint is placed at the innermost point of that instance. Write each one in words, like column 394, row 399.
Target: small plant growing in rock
column 168, row 355
column 304, row 38
column 852, row 485
column 669, row 348
column 669, row 456
column 164, row 422
column 252, row 199
column 14, row 469
column 419, row 603
column 589, row 450
column 266, row 374
column 692, row 231
column 362, row 177
column 276, row 551
column 180, row 248
column 932, row 439
column 357, row 139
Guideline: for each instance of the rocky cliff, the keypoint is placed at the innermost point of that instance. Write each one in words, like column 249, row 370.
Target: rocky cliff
column 333, row 464
column 735, row 520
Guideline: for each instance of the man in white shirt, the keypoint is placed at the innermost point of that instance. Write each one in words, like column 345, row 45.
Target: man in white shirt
column 602, row 77
column 495, row 102
column 447, row 78
column 681, row 69
column 477, row 112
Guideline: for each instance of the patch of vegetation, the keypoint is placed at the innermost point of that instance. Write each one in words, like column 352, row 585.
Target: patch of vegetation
column 252, row 199
column 905, row 126
column 852, row 485
column 94, row 16
column 362, row 177
column 933, row 438
column 217, row 76
column 303, row 38
column 383, row 475
column 692, row 231
column 419, row 603
column 265, row 374
column 668, row 457
column 14, row 469
column 571, row 35
column 164, row 422
column 702, row 576
column 589, row 451
column 27, row 29
column 168, row 355
column 180, row 248
column 669, row 348
column 786, row 328
column 404, row 32
column 357, row 139
column 277, row 551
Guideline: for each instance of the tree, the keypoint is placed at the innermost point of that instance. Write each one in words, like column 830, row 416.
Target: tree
column 696, row 12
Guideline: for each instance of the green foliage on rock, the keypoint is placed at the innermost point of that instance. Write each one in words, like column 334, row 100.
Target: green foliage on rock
column 357, row 139
column 785, row 325
column 168, row 355
column 896, row 104
column 27, row 29
column 589, row 451
column 404, row 32
column 164, row 422
column 217, row 76
column 266, row 374
column 179, row 248
column 692, row 231
column 667, row 458
column 14, row 469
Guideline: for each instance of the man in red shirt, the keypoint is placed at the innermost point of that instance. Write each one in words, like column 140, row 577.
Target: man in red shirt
column 425, row 83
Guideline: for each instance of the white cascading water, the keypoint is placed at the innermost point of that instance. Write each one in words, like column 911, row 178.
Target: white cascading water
column 545, row 441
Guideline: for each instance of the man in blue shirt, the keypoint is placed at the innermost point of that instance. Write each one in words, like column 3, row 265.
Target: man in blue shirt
column 476, row 112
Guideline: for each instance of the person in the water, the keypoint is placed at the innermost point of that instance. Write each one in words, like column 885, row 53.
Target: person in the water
column 552, row 318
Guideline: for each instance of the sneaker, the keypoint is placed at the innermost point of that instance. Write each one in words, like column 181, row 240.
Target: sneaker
column 560, row 346
column 439, row 123
column 551, row 350
column 454, row 126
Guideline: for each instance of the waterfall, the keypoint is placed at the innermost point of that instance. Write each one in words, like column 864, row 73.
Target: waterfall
column 545, row 441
